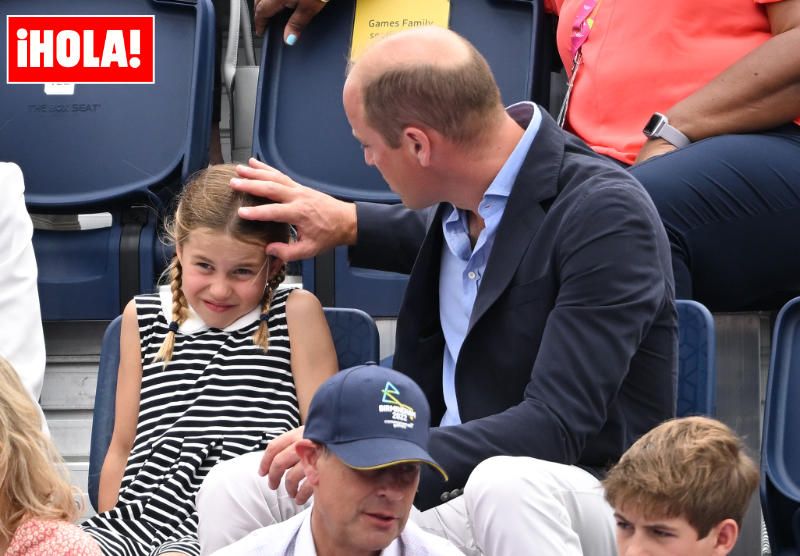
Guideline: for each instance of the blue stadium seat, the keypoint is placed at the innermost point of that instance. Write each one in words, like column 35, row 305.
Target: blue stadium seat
column 697, row 374
column 127, row 156
column 300, row 126
column 780, row 449
column 104, row 406
column 355, row 338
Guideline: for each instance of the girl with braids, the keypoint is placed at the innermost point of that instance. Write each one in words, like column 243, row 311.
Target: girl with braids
column 37, row 502
column 213, row 366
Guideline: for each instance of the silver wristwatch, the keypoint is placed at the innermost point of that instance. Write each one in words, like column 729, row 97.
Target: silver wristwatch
column 658, row 127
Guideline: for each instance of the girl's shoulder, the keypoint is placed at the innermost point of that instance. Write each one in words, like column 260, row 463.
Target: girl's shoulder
column 300, row 299
column 301, row 305
column 45, row 537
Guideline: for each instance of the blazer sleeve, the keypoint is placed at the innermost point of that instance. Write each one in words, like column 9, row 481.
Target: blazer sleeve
column 389, row 236
column 611, row 254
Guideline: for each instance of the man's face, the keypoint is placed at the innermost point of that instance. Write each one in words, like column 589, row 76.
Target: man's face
column 360, row 512
column 639, row 536
column 398, row 166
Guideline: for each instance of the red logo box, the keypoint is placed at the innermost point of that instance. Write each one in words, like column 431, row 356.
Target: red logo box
column 80, row 49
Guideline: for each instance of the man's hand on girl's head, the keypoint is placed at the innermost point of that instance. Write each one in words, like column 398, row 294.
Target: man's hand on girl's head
column 322, row 222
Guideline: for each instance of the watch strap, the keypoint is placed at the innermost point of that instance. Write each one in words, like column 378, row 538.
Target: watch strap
column 673, row 135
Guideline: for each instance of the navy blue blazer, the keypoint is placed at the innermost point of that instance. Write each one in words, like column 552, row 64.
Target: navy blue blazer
column 571, row 350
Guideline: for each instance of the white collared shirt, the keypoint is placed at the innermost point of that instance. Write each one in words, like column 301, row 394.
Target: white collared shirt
column 293, row 537
column 304, row 542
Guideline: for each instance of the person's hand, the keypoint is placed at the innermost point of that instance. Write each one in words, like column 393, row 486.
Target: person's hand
column 321, row 221
column 654, row 147
column 279, row 459
column 304, row 12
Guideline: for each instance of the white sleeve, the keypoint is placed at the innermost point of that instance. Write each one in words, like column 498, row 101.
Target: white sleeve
column 21, row 334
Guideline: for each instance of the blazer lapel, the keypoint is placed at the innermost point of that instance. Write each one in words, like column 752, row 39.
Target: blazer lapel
column 536, row 182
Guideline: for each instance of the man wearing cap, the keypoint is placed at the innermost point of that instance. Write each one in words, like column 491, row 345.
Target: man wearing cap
column 365, row 437
column 539, row 315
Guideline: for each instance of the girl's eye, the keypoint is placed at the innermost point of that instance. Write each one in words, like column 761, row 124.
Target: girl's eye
column 243, row 272
column 203, row 266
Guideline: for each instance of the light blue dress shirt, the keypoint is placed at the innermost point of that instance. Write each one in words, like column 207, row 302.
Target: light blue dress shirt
column 462, row 266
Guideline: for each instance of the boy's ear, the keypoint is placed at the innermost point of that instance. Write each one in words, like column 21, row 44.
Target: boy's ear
column 726, row 533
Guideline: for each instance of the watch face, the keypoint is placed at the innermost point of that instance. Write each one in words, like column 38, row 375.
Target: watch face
column 654, row 124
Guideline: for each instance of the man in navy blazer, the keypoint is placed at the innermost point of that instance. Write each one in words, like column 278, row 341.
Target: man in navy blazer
column 539, row 317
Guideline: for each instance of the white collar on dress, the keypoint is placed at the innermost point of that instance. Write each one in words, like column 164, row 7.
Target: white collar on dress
column 194, row 324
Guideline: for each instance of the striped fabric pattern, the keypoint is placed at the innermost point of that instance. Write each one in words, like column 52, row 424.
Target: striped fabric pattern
column 219, row 397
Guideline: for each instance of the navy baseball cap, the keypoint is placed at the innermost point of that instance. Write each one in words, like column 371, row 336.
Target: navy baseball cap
column 371, row 417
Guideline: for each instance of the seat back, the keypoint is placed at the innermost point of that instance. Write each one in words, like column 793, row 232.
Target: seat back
column 697, row 374
column 355, row 338
column 300, row 125
column 104, row 405
column 780, row 448
column 121, row 149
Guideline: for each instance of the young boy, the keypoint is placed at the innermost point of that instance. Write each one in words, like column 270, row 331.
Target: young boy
column 681, row 489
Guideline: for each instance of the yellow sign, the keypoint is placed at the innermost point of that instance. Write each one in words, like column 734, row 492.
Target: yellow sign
column 378, row 18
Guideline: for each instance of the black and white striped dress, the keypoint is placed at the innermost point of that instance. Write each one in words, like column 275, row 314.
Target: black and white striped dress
column 219, row 397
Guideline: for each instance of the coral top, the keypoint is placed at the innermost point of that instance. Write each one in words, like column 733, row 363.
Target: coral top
column 49, row 537
column 658, row 53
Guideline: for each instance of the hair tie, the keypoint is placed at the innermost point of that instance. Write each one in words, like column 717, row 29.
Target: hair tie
column 173, row 326
column 264, row 317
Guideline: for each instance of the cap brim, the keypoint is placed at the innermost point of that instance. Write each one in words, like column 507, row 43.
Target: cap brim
column 377, row 453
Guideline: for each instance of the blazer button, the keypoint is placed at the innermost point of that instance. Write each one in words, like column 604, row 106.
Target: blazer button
column 445, row 497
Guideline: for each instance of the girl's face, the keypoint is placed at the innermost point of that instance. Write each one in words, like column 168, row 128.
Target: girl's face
column 223, row 278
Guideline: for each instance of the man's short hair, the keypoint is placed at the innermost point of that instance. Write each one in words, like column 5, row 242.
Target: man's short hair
column 695, row 468
column 457, row 100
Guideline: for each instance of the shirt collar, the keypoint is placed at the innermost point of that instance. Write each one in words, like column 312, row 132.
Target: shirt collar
column 304, row 541
column 529, row 117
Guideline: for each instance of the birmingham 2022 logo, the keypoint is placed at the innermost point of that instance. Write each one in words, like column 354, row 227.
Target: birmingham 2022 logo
column 80, row 49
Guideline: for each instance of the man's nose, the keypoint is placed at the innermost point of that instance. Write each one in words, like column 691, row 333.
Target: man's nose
column 392, row 485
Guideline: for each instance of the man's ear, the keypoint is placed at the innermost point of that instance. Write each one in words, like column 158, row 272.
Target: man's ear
column 417, row 143
column 309, row 453
column 726, row 533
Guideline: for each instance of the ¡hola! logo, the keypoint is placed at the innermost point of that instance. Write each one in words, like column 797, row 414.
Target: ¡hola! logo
column 80, row 49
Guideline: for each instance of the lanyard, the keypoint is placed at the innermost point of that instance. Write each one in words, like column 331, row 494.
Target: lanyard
column 584, row 21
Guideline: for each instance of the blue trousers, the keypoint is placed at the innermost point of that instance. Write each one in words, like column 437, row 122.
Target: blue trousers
column 731, row 208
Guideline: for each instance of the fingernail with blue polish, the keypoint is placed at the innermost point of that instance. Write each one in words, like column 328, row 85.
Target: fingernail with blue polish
column 291, row 39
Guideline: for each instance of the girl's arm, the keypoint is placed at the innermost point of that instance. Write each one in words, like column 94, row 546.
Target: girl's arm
column 129, row 382
column 313, row 355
